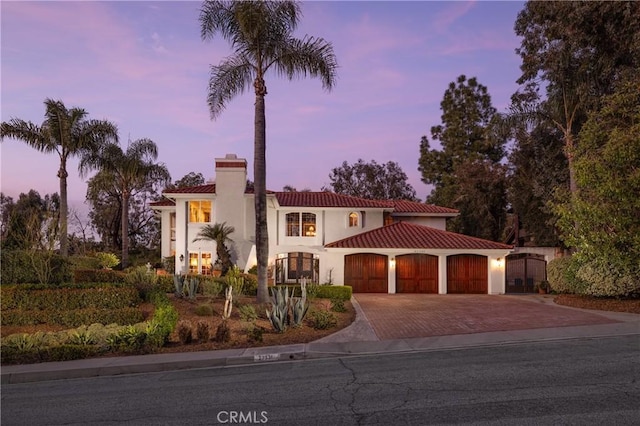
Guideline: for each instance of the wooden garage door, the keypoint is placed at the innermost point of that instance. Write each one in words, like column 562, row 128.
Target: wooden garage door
column 416, row 273
column 366, row 273
column 467, row 273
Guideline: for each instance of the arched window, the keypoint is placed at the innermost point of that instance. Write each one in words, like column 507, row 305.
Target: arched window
column 354, row 220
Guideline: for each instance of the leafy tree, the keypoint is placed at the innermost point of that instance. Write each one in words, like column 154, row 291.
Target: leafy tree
column 188, row 180
column 371, row 180
column 219, row 233
column 537, row 168
column 576, row 51
column 289, row 188
column 68, row 133
column 601, row 219
column 260, row 33
column 130, row 171
column 105, row 200
column 31, row 222
column 469, row 160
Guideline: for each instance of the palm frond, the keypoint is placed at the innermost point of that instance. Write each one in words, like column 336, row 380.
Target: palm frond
column 310, row 56
column 230, row 78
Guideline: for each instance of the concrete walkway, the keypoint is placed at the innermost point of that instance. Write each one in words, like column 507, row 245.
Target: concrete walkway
column 377, row 330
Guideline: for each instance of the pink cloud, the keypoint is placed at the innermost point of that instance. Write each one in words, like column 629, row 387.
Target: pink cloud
column 449, row 15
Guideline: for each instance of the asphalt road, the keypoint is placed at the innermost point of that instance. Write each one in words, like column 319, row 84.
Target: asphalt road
column 582, row 382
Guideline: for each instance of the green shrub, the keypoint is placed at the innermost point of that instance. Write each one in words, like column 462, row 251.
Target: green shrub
column 128, row 339
column 603, row 280
column 562, row 275
column 253, row 270
column 247, row 313
column 99, row 297
column 204, row 310
column 17, row 267
column 337, row 305
column 164, row 322
column 84, row 262
column 322, row 320
column 165, row 283
column 342, row 292
column 107, row 260
column 169, row 264
column 98, row 276
column 250, row 285
column 72, row 318
column 212, row 287
column 142, row 280
column 254, row 333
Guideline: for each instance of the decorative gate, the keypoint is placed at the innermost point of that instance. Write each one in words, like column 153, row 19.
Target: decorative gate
column 523, row 271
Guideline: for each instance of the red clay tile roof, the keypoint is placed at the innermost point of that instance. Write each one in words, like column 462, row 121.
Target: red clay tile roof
column 410, row 236
column 403, row 206
column 200, row 189
column 209, row 188
column 163, row 203
column 327, row 199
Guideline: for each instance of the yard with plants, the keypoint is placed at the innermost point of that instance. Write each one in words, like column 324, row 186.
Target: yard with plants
column 138, row 312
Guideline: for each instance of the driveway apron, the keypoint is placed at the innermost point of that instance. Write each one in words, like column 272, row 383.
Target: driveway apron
column 399, row 316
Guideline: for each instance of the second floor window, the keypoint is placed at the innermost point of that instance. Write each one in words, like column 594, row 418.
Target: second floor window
column 301, row 224
column 200, row 211
column 353, row 220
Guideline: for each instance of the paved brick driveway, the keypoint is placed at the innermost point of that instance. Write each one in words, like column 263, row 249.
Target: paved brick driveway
column 398, row 316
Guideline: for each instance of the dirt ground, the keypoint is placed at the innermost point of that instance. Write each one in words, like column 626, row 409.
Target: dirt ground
column 240, row 329
column 600, row 304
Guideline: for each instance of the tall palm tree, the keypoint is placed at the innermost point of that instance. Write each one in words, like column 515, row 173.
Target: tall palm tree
column 219, row 233
column 68, row 133
column 260, row 33
column 131, row 170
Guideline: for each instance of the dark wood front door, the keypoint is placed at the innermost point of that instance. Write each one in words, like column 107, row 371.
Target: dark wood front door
column 366, row 273
column 467, row 273
column 416, row 273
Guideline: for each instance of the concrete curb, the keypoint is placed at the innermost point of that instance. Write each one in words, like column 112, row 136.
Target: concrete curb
column 190, row 360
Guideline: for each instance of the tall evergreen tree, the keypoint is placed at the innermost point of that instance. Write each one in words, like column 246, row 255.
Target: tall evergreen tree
column 466, row 171
column 261, row 35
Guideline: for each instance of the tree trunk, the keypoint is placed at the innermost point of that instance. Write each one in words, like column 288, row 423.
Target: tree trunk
column 260, row 191
column 64, row 208
column 125, row 229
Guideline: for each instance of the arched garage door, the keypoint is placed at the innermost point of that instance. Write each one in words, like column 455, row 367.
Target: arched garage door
column 416, row 273
column 467, row 273
column 366, row 273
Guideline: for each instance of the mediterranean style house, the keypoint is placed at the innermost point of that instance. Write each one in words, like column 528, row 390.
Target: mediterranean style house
column 371, row 245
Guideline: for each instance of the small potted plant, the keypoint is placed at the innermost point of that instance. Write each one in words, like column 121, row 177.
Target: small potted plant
column 543, row 287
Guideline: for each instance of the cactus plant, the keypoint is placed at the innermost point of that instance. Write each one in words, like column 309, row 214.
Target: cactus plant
column 228, row 303
column 178, row 283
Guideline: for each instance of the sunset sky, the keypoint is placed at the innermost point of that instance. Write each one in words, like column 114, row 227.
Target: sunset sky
column 143, row 66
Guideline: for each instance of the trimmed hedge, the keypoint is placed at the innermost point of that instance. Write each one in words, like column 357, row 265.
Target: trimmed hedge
column 98, row 276
column 59, row 299
column 72, row 318
column 64, row 352
column 341, row 292
column 16, row 267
